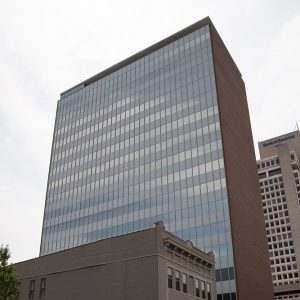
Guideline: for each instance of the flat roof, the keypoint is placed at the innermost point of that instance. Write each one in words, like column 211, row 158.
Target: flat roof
column 170, row 39
column 138, row 55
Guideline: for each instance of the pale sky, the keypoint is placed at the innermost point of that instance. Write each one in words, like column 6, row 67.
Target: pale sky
column 47, row 47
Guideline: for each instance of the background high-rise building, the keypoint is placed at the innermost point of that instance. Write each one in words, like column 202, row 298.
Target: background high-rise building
column 163, row 135
column 279, row 178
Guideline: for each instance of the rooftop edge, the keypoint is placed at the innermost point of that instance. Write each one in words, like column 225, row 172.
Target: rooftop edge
column 183, row 32
column 140, row 54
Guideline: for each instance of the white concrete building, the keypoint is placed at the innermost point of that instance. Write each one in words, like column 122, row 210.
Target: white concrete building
column 279, row 176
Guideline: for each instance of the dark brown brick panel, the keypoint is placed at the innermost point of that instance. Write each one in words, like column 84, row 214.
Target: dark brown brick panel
column 247, row 223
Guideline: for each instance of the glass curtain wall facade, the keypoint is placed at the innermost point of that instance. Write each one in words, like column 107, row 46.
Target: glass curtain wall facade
column 139, row 145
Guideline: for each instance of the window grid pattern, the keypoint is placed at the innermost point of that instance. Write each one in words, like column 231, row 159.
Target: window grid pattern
column 200, row 288
column 295, row 296
column 140, row 145
column 278, row 228
column 296, row 170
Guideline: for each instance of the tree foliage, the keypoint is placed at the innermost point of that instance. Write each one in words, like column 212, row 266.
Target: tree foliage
column 8, row 277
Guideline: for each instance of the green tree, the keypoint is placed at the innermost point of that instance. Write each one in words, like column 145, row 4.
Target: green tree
column 8, row 277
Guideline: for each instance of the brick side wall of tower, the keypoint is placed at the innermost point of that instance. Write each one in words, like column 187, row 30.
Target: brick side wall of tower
column 253, row 273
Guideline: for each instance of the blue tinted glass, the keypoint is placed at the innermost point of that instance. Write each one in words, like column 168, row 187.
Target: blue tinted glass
column 140, row 145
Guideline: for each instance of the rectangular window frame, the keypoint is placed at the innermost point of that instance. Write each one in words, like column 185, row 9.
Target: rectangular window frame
column 197, row 287
column 177, row 280
column 170, row 278
column 184, row 283
column 43, row 287
column 31, row 289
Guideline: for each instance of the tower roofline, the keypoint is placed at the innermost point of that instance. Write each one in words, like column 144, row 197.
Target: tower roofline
column 142, row 53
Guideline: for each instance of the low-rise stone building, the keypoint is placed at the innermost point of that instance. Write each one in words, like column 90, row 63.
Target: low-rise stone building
column 150, row 264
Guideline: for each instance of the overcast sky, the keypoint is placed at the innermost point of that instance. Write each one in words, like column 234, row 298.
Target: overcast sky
column 47, row 47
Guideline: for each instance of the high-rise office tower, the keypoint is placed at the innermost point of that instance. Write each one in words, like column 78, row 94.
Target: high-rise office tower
column 163, row 135
column 279, row 175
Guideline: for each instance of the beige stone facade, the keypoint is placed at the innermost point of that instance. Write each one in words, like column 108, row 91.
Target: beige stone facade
column 150, row 264
column 279, row 175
